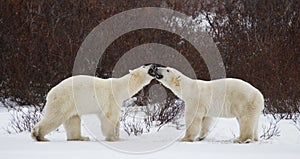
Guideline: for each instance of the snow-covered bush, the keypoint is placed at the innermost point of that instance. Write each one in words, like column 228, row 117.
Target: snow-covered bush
column 23, row 118
column 137, row 120
column 172, row 111
column 271, row 130
column 296, row 120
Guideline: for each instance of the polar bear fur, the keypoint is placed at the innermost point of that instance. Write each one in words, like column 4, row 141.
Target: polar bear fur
column 79, row 95
column 205, row 100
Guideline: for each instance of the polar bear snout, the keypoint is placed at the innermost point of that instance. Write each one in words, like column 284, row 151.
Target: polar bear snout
column 154, row 71
column 158, row 74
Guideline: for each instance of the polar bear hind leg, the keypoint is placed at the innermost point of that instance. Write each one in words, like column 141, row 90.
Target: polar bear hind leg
column 255, row 129
column 45, row 126
column 55, row 115
column 248, row 129
column 73, row 129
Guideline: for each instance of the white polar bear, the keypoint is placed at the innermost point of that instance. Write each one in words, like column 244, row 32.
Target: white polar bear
column 79, row 95
column 217, row 98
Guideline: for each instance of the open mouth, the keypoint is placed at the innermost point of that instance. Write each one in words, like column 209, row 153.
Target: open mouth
column 155, row 72
column 152, row 70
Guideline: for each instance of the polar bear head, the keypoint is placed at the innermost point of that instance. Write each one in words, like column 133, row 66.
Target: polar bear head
column 140, row 77
column 169, row 77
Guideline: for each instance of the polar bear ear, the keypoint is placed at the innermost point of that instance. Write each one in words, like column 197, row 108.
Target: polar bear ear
column 130, row 71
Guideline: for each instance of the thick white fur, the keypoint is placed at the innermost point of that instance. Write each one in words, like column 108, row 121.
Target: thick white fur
column 204, row 100
column 79, row 95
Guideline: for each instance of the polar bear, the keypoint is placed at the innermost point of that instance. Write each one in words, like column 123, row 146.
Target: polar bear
column 204, row 100
column 81, row 94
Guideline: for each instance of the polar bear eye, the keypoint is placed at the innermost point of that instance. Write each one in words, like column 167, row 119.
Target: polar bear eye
column 168, row 70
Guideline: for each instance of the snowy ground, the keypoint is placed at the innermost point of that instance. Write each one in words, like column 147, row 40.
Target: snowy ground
column 160, row 144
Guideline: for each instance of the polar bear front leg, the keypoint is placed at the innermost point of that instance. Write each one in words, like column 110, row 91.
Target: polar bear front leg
column 110, row 127
column 193, row 121
column 206, row 126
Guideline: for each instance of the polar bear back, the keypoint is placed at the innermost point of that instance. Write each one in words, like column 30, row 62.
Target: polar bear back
column 84, row 94
column 230, row 97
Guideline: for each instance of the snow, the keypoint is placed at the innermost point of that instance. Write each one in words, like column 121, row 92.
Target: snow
column 198, row 23
column 162, row 144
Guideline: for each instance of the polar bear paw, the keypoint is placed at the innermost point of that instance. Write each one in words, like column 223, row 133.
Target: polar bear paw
column 187, row 140
column 82, row 138
column 111, row 139
column 85, row 138
column 242, row 141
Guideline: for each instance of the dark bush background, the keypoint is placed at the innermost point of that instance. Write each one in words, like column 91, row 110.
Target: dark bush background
column 258, row 40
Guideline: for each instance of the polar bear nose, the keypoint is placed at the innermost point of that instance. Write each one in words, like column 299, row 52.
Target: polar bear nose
column 158, row 74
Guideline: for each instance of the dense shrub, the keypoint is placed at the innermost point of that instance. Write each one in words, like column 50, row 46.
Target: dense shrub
column 258, row 40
